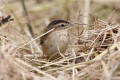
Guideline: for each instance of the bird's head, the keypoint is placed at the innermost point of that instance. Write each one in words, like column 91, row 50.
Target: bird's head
column 59, row 25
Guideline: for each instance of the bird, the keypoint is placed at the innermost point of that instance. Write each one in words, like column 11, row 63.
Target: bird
column 55, row 42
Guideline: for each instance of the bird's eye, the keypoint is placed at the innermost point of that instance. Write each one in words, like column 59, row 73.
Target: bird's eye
column 62, row 25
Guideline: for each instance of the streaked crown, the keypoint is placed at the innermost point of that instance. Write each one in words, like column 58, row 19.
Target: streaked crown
column 58, row 24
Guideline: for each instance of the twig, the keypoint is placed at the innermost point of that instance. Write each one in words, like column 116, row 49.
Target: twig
column 27, row 17
column 33, row 40
column 34, row 68
column 86, row 13
column 99, row 57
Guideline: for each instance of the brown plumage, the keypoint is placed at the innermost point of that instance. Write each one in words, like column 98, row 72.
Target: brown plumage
column 57, row 41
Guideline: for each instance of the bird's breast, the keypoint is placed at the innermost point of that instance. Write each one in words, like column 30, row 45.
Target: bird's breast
column 59, row 39
column 56, row 42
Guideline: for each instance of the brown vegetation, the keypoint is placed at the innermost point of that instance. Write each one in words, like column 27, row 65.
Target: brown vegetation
column 93, row 55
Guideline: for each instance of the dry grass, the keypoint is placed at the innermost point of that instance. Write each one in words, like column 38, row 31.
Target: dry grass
column 93, row 55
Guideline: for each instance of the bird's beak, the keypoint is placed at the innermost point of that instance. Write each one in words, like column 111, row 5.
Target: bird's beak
column 71, row 24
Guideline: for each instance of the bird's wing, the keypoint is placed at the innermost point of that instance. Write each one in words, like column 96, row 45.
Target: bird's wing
column 42, row 39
